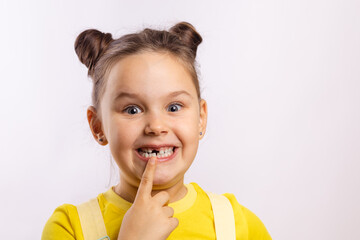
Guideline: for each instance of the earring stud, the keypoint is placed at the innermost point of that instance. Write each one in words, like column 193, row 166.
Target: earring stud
column 200, row 133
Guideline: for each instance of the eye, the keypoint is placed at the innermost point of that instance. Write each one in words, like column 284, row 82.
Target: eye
column 132, row 110
column 174, row 107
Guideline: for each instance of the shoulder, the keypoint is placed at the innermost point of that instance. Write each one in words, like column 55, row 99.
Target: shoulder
column 61, row 224
column 243, row 216
column 64, row 222
column 247, row 224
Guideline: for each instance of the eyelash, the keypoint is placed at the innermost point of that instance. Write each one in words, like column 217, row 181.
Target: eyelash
column 126, row 110
column 176, row 103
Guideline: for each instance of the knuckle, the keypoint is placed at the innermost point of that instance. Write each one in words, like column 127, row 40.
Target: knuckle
column 140, row 200
column 164, row 195
column 170, row 210
column 145, row 180
column 167, row 211
column 174, row 222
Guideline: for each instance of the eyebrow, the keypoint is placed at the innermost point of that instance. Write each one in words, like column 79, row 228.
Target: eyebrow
column 134, row 95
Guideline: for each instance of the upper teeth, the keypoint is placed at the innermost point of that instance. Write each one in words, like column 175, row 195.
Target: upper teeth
column 162, row 152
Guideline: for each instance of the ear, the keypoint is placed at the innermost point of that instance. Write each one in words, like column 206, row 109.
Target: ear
column 203, row 118
column 96, row 125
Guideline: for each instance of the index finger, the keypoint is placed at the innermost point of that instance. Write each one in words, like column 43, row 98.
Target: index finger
column 146, row 182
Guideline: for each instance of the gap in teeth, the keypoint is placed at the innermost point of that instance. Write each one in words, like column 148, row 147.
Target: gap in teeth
column 163, row 152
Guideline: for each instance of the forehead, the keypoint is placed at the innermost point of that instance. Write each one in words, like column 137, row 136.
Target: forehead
column 149, row 72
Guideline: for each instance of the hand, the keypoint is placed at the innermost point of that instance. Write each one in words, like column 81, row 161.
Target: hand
column 148, row 217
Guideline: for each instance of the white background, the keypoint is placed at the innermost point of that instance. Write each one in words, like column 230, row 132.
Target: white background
column 282, row 81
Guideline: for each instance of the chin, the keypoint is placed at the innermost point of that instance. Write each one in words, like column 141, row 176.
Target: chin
column 163, row 180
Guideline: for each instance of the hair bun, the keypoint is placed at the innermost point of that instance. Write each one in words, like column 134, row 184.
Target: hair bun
column 188, row 35
column 90, row 45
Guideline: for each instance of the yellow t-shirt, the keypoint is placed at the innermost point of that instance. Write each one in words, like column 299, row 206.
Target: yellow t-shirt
column 193, row 211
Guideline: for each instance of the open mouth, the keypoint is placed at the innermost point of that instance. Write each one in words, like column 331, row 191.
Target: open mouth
column 162, row 152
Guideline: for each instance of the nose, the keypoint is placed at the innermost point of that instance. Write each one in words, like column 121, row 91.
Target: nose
column 156, row 125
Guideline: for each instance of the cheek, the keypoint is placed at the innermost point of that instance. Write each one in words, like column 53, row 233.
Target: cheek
column 190, row 125
column 188, row 132
column 123, row 134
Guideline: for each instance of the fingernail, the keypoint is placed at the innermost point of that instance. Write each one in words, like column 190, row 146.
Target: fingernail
column 152, row 160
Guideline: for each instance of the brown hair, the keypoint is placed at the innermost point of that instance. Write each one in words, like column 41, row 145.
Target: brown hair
column 99, row 51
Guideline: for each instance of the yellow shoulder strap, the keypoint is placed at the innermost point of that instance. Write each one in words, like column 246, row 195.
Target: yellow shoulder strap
column 91, row 220
column 223, row 217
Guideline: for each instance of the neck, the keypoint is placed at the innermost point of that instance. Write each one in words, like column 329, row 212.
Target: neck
column 128, row 192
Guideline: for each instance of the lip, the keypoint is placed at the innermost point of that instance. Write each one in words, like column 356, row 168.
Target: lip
column 165, row 159
column 156, row 146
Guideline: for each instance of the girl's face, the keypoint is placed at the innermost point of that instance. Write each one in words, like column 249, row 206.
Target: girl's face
column 150, row 105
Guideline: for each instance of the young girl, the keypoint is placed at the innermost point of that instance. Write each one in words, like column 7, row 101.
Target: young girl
column 147, row 107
